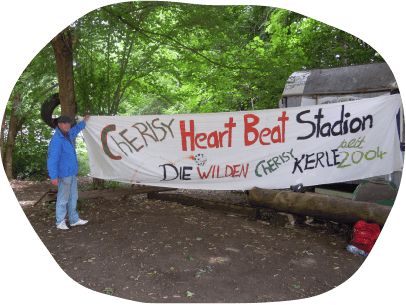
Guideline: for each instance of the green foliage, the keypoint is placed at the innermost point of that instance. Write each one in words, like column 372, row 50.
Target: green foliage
column 162, row 57
column 312, row 44
column 83, row 160
column 107, row 184
column 82, row 204
column 114, row 184
column 109, row 290
column 156, row 57
column 30, row 153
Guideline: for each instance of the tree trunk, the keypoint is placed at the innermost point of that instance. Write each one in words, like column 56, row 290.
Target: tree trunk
column 319, row 206
column 98, row 183
column 124, row 63
column 62, row 45
column 3, row 127
column 344, row 46
column 12, row 133
column 15, row 125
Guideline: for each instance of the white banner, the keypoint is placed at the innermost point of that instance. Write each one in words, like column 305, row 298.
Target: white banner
column 271, row 149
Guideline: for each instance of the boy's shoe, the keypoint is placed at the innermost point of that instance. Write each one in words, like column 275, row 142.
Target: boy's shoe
column 80, row 222
column 62, row 226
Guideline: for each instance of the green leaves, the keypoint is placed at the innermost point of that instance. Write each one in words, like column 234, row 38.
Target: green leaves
column 109, row 290
column 141, row 58
column 308, row 43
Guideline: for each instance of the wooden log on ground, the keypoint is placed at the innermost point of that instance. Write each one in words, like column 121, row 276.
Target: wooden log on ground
column 46, row 193
column 118, row 192
column 221, row 207
column 319, row 206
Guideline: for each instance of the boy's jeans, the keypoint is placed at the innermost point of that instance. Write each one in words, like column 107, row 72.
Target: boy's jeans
column 67, row 199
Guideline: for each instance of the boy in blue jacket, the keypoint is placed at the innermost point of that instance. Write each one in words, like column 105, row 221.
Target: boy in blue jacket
column 62, row 168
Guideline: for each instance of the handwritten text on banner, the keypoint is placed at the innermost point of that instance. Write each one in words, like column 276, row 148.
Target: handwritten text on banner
column 240, row 150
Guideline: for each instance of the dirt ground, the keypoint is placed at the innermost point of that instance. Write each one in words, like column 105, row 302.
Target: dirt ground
column 156, row 251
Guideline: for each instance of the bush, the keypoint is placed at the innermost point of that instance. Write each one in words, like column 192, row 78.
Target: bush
column 30, row 156
column 83, row 159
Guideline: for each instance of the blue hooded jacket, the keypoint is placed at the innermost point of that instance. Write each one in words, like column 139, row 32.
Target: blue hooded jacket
column 62, row 160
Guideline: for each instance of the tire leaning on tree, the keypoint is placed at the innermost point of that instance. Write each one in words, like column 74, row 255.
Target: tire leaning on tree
column 48, row 108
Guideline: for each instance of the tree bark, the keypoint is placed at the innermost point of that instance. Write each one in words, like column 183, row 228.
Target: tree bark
column 98, row 183
column 12, row 133
column 3, row 127
column 319, row 206
column 15, row 125
column 62, row 46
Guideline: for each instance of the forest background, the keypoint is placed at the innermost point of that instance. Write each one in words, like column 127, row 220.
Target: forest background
column 26, row 33
column 143, row 58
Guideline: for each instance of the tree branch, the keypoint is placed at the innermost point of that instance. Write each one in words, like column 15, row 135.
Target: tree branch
column 179, row 44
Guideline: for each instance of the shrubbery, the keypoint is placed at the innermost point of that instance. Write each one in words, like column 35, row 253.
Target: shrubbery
column 30, row 157
column 30, row 154
column 83, row 160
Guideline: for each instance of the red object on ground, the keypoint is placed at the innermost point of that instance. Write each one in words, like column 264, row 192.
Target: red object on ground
column 364, row 235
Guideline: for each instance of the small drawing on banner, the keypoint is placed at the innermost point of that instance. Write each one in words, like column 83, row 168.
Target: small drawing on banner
column 200, row 159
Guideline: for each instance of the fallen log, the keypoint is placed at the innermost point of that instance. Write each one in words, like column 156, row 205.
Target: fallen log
column 118, row 192
column 46, row 193
column 319, row 206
